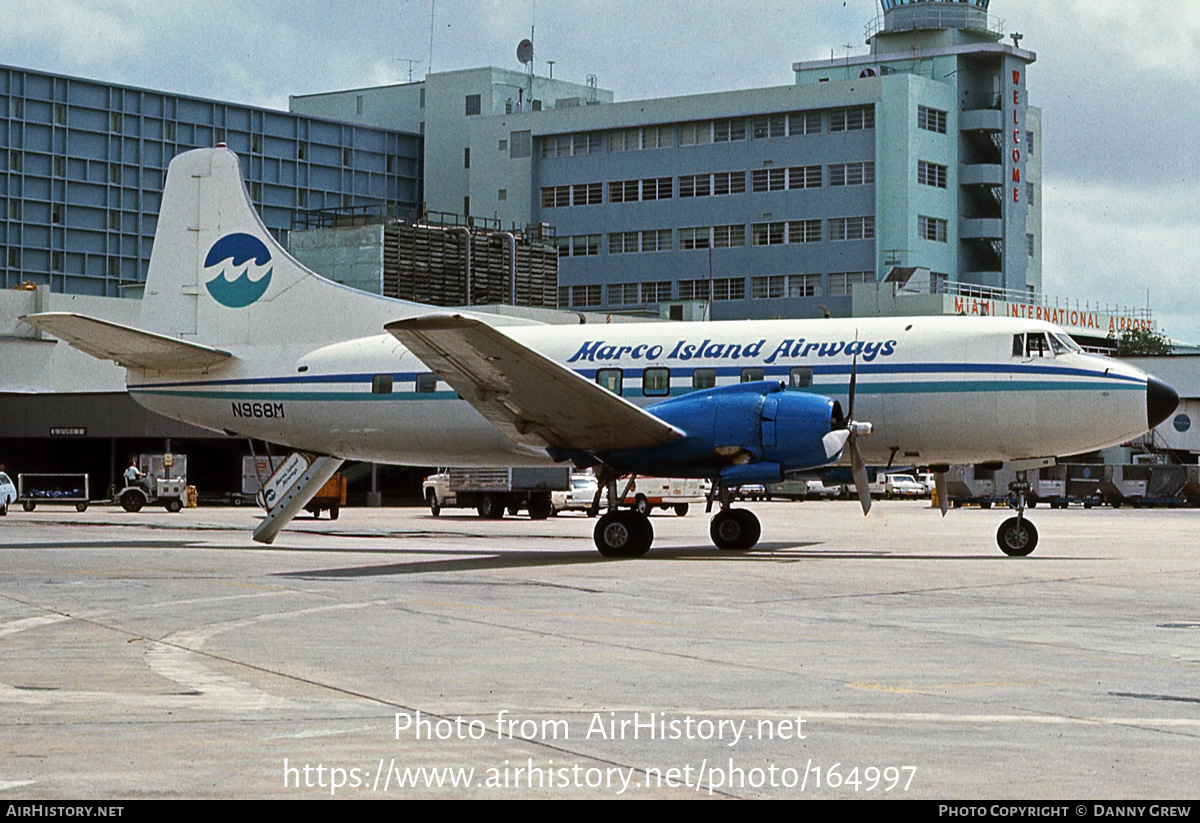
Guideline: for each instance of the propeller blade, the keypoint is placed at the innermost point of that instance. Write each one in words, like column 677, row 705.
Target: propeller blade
column 861, row 485
column 939, row 482
column 834, row 442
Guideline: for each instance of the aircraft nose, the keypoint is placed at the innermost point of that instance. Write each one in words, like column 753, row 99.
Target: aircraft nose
column 1161, row 400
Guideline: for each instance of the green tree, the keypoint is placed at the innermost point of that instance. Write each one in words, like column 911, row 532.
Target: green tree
column 1140, row 342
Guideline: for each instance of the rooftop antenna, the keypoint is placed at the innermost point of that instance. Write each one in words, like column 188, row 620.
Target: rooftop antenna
column 432, row 5
column 410, row 61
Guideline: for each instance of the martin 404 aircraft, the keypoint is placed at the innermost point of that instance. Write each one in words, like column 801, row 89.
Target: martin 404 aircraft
column 235, row 335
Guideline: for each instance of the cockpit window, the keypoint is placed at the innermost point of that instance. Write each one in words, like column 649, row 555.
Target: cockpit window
column 1067, row 343
column 1036, row 345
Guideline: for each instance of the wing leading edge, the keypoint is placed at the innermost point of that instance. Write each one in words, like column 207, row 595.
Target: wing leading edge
column 531, row 398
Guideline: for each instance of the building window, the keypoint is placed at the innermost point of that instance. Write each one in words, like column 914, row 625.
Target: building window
column 695, row 134
column 56, row 213
column 841, row 283
column 931, row 228
column 768, row 180
column 421, row 99
column 656, row 240
column 771, row 126
column 852, row 228
column 931, row 174
column 467, row 157
column 729, row 236
column 695, row 185
column 16, row 108
column 623, row 191
column 858, row 118
column 804, row 231
column 767, row 234
column 1028, row 142
column 114, row 121
column 768, row 287
column 729, row 182
column 502, row 194
column 724, row 131
column 556, row 196
column 14, row 209
column 503, row 145
column 804, row 177
column 14, row 160
column 657, row 188
column 697, row 237
column 852, row 174
column 622, row 294
column 1029, row 193
column 585, row 295
column 60, row 114
column 1030, row 245
column 804, row 285
column 520, row 144
column 587, row 194
column 473, row 103
column 60, row 166
column 656, row 382
column 931, row 119
column 657, row 291
column 623, row 242
column 585, row 245
column 804, row 122
column 466, row 206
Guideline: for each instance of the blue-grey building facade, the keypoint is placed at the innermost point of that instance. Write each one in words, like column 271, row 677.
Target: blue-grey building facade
column 82, row 167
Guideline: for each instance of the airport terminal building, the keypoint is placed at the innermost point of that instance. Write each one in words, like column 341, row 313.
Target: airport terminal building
column 768, row 202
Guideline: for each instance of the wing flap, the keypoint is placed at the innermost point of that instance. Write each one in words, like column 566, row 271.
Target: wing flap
column 534, row 400
column 126, row 346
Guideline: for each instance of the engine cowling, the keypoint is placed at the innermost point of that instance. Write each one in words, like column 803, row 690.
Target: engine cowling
column 748, row 433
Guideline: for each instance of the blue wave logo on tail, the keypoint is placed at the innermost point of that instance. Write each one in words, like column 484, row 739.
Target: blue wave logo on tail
column 238, row 249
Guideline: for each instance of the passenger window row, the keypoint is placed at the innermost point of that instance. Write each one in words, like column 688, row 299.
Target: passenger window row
column 656, row 381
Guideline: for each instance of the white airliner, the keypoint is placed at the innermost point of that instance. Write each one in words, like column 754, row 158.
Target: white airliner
column 235, row 335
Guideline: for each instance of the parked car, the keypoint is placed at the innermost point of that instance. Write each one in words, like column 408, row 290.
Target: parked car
column 818, row 489
column 902, row 485
column 8, row 493
column 579, row 497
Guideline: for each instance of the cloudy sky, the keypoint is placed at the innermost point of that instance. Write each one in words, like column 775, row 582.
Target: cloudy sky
column 1118, row 82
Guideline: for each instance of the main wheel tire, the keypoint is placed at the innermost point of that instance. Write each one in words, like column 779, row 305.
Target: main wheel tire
column 735, row 530
column 1017, row 539
column 174, row 505
column 540, row 507
column 435, row 508
column 132, row 502
column 623, row 534
column 491, row 507
column 681, row 509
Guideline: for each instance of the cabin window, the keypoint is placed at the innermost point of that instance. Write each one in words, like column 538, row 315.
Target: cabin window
column 610, row 379
column 751, row 374
column 426, row 383
column 381, row 384
column 704, row 378
column 656, row 382
column 800, row 377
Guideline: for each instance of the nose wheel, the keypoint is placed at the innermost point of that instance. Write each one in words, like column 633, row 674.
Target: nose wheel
column 1017, row 537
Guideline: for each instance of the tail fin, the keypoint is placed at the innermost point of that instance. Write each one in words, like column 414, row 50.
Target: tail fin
column 217, row 276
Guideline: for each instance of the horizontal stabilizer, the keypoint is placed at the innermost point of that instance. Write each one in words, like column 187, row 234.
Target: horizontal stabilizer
column 126, row 346
column 532, row 399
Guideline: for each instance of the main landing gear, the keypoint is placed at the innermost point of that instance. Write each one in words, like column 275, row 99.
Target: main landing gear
column 1017, row 537
column 625, row 533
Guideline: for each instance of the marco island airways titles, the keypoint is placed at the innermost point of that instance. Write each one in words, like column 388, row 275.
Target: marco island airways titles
column 708, row 349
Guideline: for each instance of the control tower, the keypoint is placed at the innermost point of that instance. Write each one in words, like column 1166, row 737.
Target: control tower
column 958, row 171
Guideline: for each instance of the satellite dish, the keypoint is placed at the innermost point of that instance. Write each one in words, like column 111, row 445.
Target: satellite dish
column 525, row 51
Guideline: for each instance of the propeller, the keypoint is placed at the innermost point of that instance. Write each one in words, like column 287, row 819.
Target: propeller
column 939, row 480
column 847, row 438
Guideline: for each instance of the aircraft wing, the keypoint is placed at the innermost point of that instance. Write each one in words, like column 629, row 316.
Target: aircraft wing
column 528, row 396
column 125, row 345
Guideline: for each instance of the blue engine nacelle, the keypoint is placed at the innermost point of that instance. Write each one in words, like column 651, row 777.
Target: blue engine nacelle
column 748, row 433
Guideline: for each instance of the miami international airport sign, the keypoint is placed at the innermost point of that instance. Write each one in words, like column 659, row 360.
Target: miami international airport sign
column 1074, row 320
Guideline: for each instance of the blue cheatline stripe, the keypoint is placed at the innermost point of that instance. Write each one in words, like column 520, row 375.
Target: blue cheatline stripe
column 879, row 369
column 908, row 387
